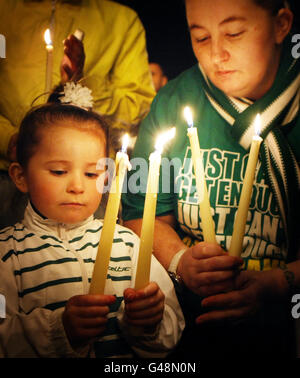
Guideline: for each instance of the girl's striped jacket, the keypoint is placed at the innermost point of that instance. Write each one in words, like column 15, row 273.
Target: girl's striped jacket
column 44, row 263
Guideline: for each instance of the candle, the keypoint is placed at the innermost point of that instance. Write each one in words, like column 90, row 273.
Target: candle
column 207, row 223
column 110, row 219
column 49, row 64
column 147, row 231
column 242, row 212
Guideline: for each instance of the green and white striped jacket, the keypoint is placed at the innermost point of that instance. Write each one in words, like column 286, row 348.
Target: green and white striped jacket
column 44, row 263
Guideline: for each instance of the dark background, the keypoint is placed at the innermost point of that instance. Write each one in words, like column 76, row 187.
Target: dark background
column 168, row 41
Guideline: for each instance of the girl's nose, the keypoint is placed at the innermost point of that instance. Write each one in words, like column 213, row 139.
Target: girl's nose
column 76, row 184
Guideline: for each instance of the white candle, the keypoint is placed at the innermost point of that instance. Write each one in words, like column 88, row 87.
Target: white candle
column 110, row 219
column 147, row 231
column 207, row 223
column 236, row 244
column 49, row 64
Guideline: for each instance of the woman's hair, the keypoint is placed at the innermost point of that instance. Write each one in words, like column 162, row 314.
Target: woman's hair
column 271, row 5
column 45, row 116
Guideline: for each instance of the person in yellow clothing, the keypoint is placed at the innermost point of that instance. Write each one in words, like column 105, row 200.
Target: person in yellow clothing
column 116, row 67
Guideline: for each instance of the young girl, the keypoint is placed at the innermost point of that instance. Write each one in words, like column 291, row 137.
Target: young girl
column 46, row 262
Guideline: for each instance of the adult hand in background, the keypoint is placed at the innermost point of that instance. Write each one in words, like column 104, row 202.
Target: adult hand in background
column 72, row 64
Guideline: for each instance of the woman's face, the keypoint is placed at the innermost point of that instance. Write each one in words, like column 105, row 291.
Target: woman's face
column 237, row 44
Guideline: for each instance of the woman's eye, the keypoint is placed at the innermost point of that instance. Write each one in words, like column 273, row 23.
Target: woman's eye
column 58, row 172
column 202, row 39
column 234, row 35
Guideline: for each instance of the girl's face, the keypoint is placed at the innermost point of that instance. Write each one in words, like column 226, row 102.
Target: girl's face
column 237, row 44
column 61, row 176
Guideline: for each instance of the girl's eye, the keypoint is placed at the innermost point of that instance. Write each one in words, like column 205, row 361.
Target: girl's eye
column 57, row 172
column 91, row 175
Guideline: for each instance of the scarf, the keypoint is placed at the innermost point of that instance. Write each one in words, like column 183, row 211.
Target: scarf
column 278, row 108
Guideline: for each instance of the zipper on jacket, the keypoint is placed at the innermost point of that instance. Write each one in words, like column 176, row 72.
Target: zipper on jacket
column 64, row 238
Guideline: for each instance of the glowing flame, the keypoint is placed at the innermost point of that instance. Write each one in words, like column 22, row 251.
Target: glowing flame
column 257, row 125
column 125, row 142
column 164, row 138
column 188, row 116
column 47, row 37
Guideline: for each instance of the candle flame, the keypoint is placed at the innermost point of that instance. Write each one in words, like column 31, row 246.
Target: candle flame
column 188, row 116
column 47, row 37
column 257, row 125
column 125, row 143
column 164, row 138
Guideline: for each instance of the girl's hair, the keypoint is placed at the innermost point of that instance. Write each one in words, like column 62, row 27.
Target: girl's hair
column 45, row 116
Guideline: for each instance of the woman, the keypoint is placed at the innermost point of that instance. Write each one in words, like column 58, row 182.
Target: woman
column 245, row 67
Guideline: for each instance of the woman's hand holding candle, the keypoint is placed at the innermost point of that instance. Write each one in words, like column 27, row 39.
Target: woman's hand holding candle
column 206, row 269
column 252, row 291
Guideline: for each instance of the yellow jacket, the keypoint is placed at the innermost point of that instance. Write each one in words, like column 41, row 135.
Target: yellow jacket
column 116, row 65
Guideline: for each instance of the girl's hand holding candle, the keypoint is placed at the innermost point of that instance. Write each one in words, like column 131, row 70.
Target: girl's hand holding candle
column 110, row 219
column 147, row 231
column 242, row 212
column 207, row 223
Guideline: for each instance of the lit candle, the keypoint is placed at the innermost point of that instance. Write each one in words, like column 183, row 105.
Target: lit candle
column 110, row 219
column 49, row 48
column 147, row 231
column 242, row 212
column 207, row 222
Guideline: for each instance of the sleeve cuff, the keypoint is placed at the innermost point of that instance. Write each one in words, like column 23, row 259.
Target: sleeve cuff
column 60, row 340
